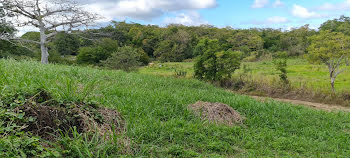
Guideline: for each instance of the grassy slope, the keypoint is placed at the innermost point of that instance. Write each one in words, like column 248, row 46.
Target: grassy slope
column 300, row 72
column 159, row 123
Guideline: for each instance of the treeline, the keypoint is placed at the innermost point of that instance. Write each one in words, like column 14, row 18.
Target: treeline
column 173, row 43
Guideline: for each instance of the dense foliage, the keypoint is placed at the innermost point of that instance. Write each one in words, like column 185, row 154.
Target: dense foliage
column 66, row 44
column 98, row 52
column 176, row 42
column 125, row 58
column 7, row 48
column 217, row 66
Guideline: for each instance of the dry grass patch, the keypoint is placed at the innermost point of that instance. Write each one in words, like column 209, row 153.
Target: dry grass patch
column 52, row 117
column 218, row 113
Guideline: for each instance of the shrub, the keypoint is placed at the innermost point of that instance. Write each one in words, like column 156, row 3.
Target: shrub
column 86, row 55
column 281, row 66
column 125, row 58
column 144, row 58
column 205, row 45
column 60, row 59
column 217, row 66
column 98, row 52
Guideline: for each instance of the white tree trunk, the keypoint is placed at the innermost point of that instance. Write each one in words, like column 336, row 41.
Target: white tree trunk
column 44, row 54
column 44, row 51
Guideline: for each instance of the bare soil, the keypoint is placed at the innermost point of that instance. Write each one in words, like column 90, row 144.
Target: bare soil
column 216, row 112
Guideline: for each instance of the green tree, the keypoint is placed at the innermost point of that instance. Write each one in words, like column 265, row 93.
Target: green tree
column 296, row 42
column 217, row 66
column 66, row 44
column 331, row 49
column 7, row 48
column 98, row 52
column 125, row 58
column 175, row 46
column 272, row 38
column 205, row 45
column 246, row 42
column 341, row 24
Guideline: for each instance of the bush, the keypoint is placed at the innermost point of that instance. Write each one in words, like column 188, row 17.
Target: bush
column 60, row 59
column 144, row 58
column 98, row 52
column 126, row 58
column 86, row 55
column 217, row 66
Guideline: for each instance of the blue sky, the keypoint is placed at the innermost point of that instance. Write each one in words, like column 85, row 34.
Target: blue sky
column 235, row 13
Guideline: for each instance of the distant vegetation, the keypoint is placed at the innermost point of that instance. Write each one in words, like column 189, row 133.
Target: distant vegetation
column 176, row 43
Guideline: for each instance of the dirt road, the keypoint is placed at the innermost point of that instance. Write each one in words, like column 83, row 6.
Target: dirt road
column 319, row 106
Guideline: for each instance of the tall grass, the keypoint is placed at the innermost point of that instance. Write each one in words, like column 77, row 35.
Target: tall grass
column 159, row 124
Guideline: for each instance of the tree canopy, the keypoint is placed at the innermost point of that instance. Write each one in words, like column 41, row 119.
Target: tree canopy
column 331, row 49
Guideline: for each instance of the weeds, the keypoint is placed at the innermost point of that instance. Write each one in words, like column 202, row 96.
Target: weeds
column 180, row 73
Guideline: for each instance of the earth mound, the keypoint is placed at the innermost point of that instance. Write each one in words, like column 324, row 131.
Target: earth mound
column 216, row 112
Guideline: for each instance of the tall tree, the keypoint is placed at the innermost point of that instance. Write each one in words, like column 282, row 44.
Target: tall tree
column 337, row 25
column 66, row 44
column 332, row 49
column 47, row 16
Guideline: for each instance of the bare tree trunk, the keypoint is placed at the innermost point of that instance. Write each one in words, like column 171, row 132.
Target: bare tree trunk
column 332, row 84
column 44, row 52
column 332, row 75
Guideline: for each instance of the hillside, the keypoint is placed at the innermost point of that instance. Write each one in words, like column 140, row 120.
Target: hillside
column 158, row 123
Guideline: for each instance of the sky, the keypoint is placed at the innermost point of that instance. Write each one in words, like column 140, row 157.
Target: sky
column 238, row 14
column 283, row 14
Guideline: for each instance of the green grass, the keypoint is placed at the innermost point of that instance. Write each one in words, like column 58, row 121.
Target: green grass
column 159, row 124
column 168, row 69
column 300, row 73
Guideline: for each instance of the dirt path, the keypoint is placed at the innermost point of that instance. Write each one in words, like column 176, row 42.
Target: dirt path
column 319, row 106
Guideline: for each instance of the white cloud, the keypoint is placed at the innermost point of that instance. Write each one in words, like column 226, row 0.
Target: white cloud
column 277, row 20
column 335, row 7
column 269, row 21
column 189, row 19
column 260, row 3
column 145, row 9
column 301, row 12
column 278, row 3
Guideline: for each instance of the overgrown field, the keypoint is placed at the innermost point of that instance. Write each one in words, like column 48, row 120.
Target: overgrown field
column 300, row 73
column 158, row 123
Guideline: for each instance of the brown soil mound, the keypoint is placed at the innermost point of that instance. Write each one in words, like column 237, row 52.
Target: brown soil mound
column 51, row 117
column 217, row 112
